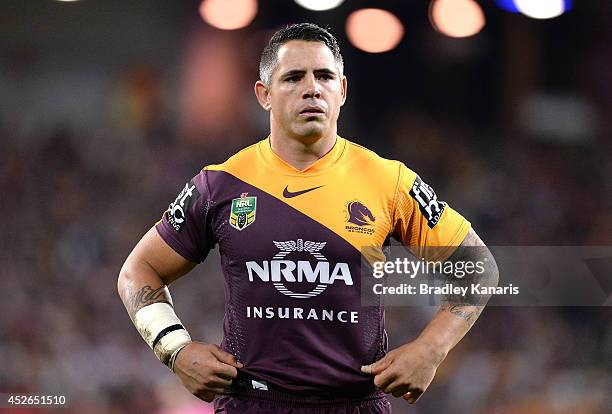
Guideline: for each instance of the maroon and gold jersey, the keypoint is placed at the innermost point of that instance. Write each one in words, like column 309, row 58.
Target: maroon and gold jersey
column 290, row 245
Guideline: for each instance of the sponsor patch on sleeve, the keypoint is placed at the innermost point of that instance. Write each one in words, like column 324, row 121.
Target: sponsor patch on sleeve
column 177, row 210
column 429, row 205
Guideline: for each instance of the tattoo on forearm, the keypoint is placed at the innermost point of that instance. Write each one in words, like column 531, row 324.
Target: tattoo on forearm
column 467, row 312
column 146, row 295
column 468, row 305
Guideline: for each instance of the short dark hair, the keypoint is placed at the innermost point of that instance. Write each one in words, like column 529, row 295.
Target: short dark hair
column 309, row 32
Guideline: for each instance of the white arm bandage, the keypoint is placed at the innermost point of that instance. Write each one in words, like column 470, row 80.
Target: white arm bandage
column 162, row 330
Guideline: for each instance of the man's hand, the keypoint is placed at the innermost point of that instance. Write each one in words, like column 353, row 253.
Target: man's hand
column 206, row 370
column 406, row 371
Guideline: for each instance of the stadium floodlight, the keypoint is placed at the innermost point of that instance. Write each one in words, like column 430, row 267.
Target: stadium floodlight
column 541, row 9
column 374, row 30
column 456, row 18
column 319, row 5
column 228, row 14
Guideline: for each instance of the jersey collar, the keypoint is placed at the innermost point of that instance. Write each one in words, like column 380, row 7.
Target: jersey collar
column 326, row 162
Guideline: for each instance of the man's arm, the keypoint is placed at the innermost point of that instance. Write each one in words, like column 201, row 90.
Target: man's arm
column 408, row 370
column 147, row 271
column 205, row 369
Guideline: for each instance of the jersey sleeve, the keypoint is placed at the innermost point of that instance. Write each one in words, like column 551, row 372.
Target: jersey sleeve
column 428, row 226
column 185, row 225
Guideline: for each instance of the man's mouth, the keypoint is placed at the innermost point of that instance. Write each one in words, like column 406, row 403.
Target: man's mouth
column 312, row 111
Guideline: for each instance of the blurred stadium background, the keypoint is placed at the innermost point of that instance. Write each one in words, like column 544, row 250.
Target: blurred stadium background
column 108, row 107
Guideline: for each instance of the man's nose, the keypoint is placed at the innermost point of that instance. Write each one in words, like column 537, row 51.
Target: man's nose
column 312, row 88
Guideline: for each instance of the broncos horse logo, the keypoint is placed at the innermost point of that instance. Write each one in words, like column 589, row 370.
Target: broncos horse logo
column 360, row 214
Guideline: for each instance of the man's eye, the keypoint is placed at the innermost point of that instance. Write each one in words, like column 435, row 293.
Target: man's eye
column 292, row 79
column 325, row 76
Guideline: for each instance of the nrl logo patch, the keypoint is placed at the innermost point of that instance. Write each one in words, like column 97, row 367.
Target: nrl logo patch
column 242, row 213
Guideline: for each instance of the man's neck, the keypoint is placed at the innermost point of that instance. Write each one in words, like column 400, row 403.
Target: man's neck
column 301, row 153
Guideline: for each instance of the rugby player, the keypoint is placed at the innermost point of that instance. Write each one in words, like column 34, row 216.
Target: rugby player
column 290, row 215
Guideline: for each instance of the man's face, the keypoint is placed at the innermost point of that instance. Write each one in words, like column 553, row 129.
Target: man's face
column 306, row 90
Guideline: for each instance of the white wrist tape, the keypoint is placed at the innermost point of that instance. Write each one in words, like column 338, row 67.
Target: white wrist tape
column 162, row 331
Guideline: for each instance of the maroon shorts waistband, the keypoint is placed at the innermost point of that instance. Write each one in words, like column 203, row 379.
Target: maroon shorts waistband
column 246, row 386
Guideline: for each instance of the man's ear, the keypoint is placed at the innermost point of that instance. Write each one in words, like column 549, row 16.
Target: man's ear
column 263, row 95
column 344, row 86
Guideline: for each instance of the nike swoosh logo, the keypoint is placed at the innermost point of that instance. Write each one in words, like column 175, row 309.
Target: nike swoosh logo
column 289, row 194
